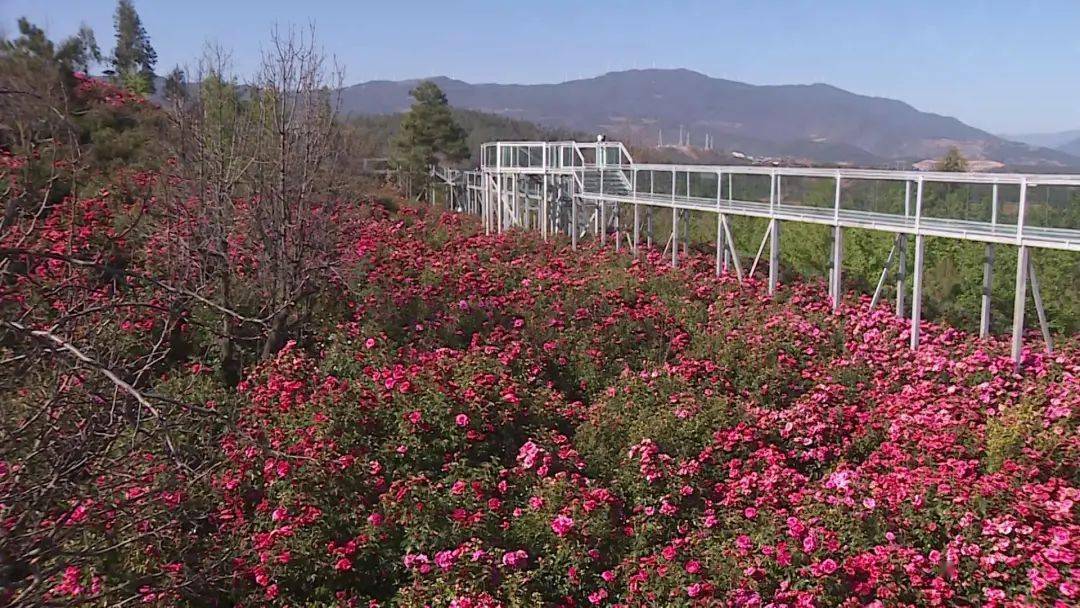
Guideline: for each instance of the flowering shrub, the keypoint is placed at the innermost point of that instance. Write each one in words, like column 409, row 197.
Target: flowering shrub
column 497, row 421
column 502, row 422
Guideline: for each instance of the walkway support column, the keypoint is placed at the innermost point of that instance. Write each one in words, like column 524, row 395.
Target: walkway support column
column 637, row 214
column 916, row 292
column 1020, row 299
column 774, row 256
column 916, row 288
column 719, row 225
column 544, row 208
column 838, row 264
column 901, row 250
column 1022, row 263
column 988, row 272
column 603, row 211
column 573, row 214
column 674, row 224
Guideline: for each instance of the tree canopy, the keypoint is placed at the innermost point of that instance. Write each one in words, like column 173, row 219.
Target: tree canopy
column 133, row 58
column 429, row 134
column 953, row 161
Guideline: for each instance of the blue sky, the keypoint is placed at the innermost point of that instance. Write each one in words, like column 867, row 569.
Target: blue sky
column 1005, row 66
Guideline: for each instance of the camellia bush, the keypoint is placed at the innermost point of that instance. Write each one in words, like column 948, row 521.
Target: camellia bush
column 477, row 421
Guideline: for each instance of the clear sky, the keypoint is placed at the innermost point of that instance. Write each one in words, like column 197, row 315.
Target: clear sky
column 1007, row 66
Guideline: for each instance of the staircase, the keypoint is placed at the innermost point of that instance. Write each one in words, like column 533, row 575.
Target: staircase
column 614, row 181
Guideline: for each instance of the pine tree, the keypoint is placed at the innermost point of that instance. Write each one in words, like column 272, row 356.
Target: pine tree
column 133, row 58
column 429, row 135
column 953, row 161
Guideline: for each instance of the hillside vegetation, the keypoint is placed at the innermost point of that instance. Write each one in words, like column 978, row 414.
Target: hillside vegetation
column 232, row 376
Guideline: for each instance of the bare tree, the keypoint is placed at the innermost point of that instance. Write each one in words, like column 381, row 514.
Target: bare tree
column 256, row 192
column 298, row 91
column 216, row 150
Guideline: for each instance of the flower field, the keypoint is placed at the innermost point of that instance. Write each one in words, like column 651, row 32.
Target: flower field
column 504, row 423
column 496, row 421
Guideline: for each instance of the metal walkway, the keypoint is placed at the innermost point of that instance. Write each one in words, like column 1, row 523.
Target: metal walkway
column 582, row 189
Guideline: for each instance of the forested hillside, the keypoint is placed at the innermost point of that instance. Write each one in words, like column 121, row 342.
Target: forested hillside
column 480, row 128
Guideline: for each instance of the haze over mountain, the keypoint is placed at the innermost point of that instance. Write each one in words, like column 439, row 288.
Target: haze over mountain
column 1065, row 141
column 816, row 122
column 1049, row 140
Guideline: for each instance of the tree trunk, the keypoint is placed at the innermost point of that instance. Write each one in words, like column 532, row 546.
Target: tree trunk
column 275, row 338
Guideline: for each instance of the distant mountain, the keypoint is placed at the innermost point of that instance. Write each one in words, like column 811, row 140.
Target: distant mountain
column 1049, row 140
column 1071, row 147
column 816, row 122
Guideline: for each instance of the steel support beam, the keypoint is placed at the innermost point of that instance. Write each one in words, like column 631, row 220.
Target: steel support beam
column 884, row 273
column 1039, row 310
column 544, row 208
column 916, row 291
column 837, row 267
column 719, row 225
column 774, row 256
column 674, row 223
column 674, row 237
column 988, row 272
column 731, row 248
column 1019, row 301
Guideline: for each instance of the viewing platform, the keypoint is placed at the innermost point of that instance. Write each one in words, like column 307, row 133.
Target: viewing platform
column 582, row 189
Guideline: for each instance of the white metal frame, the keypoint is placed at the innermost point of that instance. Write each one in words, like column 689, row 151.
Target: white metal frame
column 589, row 177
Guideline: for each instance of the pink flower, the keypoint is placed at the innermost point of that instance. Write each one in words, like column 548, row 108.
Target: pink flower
column 514, row 559
column 343, row 564
column 461, row 420
column 693, row 566
column 375, row 519
column 562, row 525
column 444, row 559
column 694, row 590
column 826, row 567
column 528, row 454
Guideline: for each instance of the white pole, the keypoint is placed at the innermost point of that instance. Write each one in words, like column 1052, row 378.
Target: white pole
column 988, row 271
column 916, row 288
column 1021, row 279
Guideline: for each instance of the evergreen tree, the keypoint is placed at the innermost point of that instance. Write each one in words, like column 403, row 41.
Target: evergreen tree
column 174, row 86
column 78, row 52
column 953, row 161
column 133, row 58
column 429, row 135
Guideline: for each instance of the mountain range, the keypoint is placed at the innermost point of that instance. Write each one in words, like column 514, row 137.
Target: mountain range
column 816, row 122
column 1066, row 141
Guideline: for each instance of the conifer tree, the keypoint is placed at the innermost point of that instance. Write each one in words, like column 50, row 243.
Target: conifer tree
column 133, row 58
column 429, row 135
